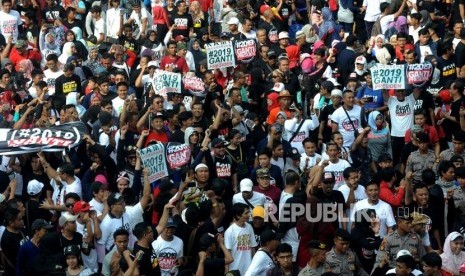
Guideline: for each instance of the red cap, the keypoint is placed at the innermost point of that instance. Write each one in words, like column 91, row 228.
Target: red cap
column 263, row 8
column 81, row 206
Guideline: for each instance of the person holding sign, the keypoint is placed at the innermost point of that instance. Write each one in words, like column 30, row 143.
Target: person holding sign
column 172, row 61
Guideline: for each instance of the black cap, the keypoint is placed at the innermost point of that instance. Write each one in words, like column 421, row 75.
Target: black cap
column 72, row 250
column 271, row 53
column 328, row 177
column 294, row 154
column 114, row 198
column 404, row 213
column 217, row 142
column 459, row 136
column 422, row 137
column 317, row 245
column 206, row 240
column 40, row 223
column 456, row 158
column 384, row 157
column 267, row 236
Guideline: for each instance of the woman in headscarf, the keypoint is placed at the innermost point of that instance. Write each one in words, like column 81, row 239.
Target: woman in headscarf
column 93, row 61
column 376, row 45
column 47, row 45
column 68, row 50
column 152, row 42
column 361, row 68
column 272, row 102
column 25, row 68
column 379, row 138
column 197, row 53
column 75, row 35
column 327, row 27
column 453, row 256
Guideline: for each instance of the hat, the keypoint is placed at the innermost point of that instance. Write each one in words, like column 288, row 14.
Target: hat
column 353, row 77
column 20, row 44
column 422, row 137
column 278, row 87
column 284, row 93
column 225, row 35
column 329, row 177
column 217, row 142
column 278, row 127
column 455, row 235
column 444, row 94
column 246, row 185
column 456, row 158
column 294, row 154
column 206, row 240
column 317, row 245
column 72, row 250
column 181, row 45
column 95, row 9
column 264, row 8
column 403, row 252
column 334, row 82
column 81, row 206
column 336, row 92
column 459, row 136
column 65, row 217
column 102, row 179
column 40, row 223
column 239, row 109
column 384, row 157
column 268, row 235
column 152, row 64
column 271, row 53
column 299, row 34
column 419, row 218
column 200, row 166
column 258, row 211
column 34, row 187
column 158, row 115
column 179, row 38
column 283, row 35
column 263, row 172
column 171, row 223
column 361, row 60
column 233, row 21
column 114, row 198
column 404, row 213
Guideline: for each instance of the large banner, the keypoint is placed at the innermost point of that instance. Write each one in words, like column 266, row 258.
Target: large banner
column 54, row 138
column 177, row 155
column 419, row 74
column 165, row 82
column 245, row 50
column 388, row 76
column 220, row 55
column 153, row 157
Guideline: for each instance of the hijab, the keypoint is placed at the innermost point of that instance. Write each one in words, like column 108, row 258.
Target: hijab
column 328, row 24
column 66, row 52
column 450, row 261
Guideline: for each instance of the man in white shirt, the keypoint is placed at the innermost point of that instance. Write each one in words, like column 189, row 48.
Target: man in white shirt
column 99, row 25
column 52, row 72
column 348, row 118
column 372, row 8
column 382, row 209
column 262, row 260
column 239, row 239
column 247, row 196
column 291, row 126
column 351, row 190
column 114, row 21
column 9, row 21
column 118, row 102
column 168, row 249
column 335, row 164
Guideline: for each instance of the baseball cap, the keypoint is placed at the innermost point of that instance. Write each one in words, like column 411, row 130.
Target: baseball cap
column 34, row 187
column 268, row 235
column 271, row 53
column 246, row 185
column 334, row 81
column 423, row 137
column 299, row 34
column 41, row 223
column 20, row 44
column 278, row 87
column 294, row 154
column 217, row 142
column 233, row 21
column 361, row 60
column 152, row 64
column 81, row 206
column 353, row 77
column 336, row 92
column 102, row 179
column 114, row 198
column 329, row 177
column 239, row 109
column 455, row 235
column 283, row 35
column 66, row 217
column 263, row 172
column 403, row 252
column 384, row 157
column 225, row 35
column 72, row 250
column 314, row 244
column 258, row 211
column 171, row 223
column 419, row 218
column 456, row 158
column 206, row 240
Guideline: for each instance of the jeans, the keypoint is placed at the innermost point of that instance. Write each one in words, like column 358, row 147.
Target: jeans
column 369, row 26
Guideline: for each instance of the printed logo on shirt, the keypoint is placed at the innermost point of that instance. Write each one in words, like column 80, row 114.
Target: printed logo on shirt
column 223, row 170
column 448, row 70
column 69, row 87
column 167, row 258
column 243, row 242
column 348, row 126
column 403, row 110
column 418, row 104
column 299, row 137
column 181, row 23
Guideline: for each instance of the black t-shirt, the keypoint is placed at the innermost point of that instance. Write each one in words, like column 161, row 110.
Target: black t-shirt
column 183, row 24
column 33, row 212
column 460, row 54
column 214, row 266
column 77, row 240
column 449, row 126
column 28, row 175
column 335, row 197
column 50, row 14
column 447, row 68
column 145, row 265
column 424, row 102
column 325, row 116
column 11, row 242
column 63, row 86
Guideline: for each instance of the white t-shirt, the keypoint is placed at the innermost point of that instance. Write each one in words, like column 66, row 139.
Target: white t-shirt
column 385, row 21
column 50, row 78
column 343, row 123
column 90, row 260
column 414, row 33
column 372, row 11
column 60, row 191
column 113, row 18
column 425, row 50
column 258, row 199
column 138, row 20
column 109, row 225
column 312, row 161
column 383, row 212
column 240, row 241
column 99, row 28
column 338, row 170
column 167, row 253
column 291, row 127
column 359, row 194
column 401, row 115
column 135, row 214
column 97, row 206
column 261, row 262
column 9, row 23
column 118, row 104
column 292, row 238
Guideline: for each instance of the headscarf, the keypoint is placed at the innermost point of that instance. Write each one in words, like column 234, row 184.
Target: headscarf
column 400, row 24
column 310, row 39
column 383, row 56
column 450, row 261
column 272, row 100
column 27, row 64
column 66, row 52
column 94, row 64
column 328, row 22
column 361, row 59
column 425, row 18
column 372, row 123
column 187, row 134
column 78, row 35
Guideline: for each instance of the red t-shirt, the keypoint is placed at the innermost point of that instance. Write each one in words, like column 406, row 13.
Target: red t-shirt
column 176, row 62
column 15, row 57
column 433, row 134
column 157, row 136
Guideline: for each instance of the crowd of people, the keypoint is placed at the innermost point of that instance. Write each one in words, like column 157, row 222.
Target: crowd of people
column 300, row 159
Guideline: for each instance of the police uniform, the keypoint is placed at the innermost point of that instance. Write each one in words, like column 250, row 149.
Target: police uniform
column 417, row 163
column 308, row 271
column 346, row 264
column 447, row 154
column 394, row 242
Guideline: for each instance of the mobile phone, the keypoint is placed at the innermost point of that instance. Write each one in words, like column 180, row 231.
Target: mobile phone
column 368, row 99
column 191, row 184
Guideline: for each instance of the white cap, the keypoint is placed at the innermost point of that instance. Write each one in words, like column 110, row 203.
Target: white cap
column 361, row 60
column 65, row 217
column 34, row 187
column 403, row 252
column 246, row 185
column 152, row 63
column 233, row 21
column 283, row 35
column 238, row 108
column 334, row 81
column 200, row 166
column 278, row 87
column 299, row 34
column 336, row 92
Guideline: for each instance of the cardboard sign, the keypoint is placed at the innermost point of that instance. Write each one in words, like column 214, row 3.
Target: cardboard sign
column 165, row 82
column 419, row 74
column 245, row 50
column 194, row 85
column 177, row 155
column 388, row 76
column 220, row 55
column 153, row 158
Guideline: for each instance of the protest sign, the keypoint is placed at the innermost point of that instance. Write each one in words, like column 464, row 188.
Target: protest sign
column 194, row 85
column 177, row 155
column 220, row 55
column 53, row 138
column 388, row 76
column 245, row 50
column 153, row 158
column 165, row 82
column 419, row 74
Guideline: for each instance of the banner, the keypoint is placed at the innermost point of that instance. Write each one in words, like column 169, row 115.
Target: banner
column 165, row 82
column 194, row 85
column 177, row 155
column 153, row 158
column 54, row 138
column 388, row 76
column 220, row 55
column 419, row 74
column 245, row 50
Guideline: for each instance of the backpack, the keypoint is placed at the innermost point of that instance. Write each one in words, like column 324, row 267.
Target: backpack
column 377, row 27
